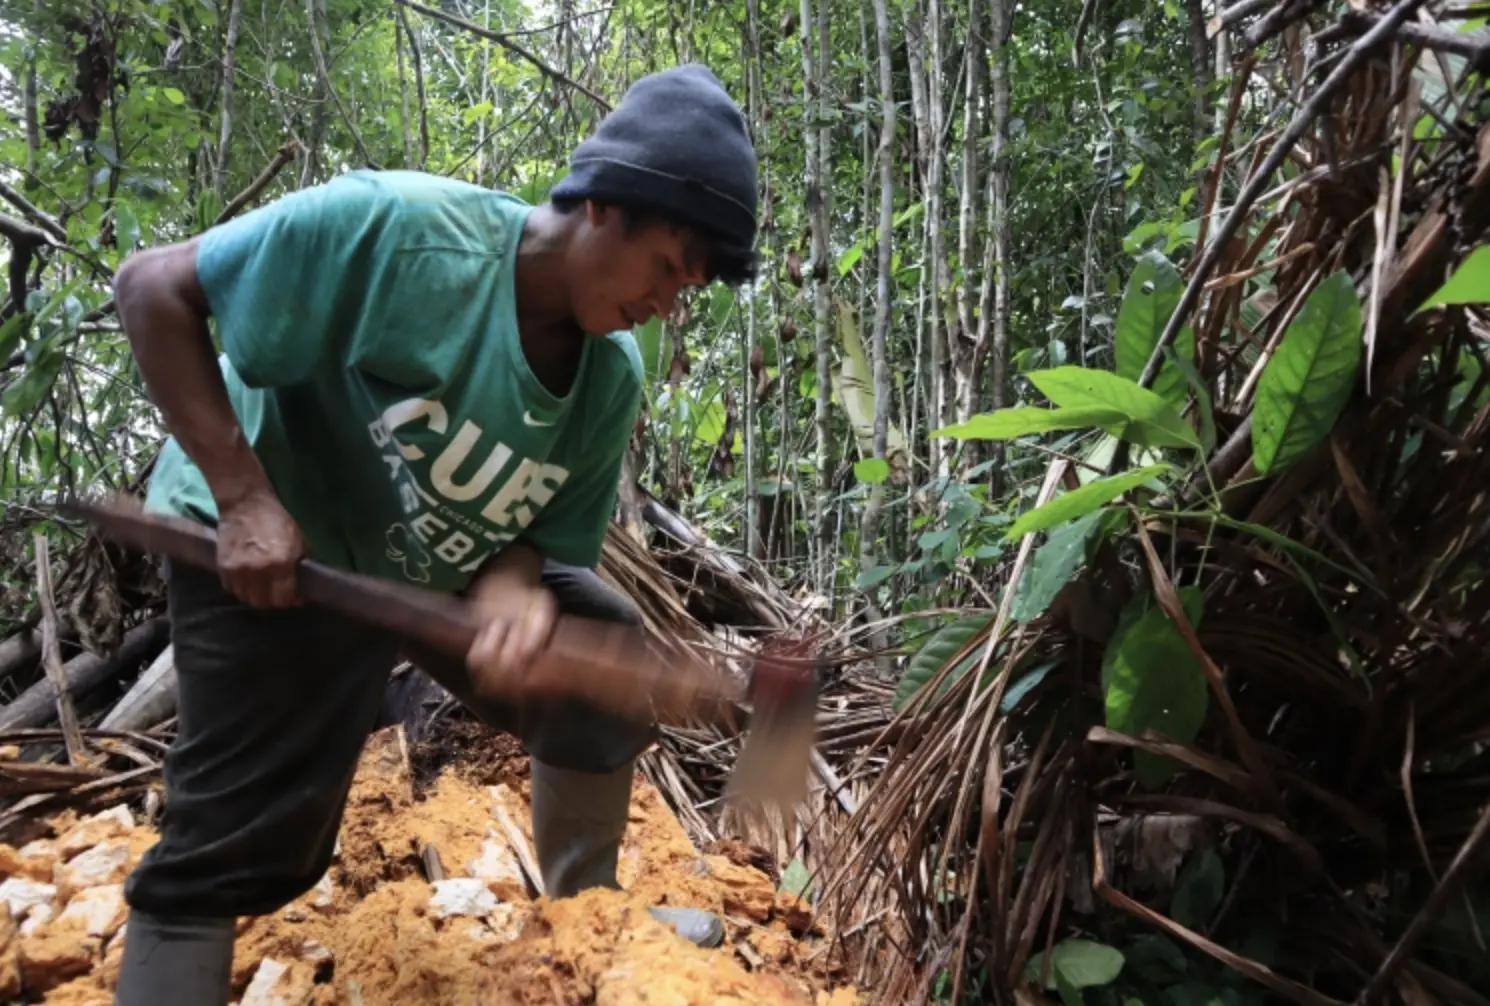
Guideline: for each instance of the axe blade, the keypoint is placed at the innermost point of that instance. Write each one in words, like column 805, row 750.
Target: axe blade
column 776, row 755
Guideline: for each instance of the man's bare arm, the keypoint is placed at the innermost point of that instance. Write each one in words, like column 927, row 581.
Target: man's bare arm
column 164, row 311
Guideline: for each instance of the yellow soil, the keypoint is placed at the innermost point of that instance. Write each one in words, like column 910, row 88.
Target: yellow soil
column 371, row 936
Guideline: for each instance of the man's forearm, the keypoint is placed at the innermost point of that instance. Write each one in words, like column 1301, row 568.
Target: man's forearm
column 164, row 314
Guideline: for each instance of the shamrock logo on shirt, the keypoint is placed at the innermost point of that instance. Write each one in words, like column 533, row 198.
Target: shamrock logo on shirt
column 406, row 549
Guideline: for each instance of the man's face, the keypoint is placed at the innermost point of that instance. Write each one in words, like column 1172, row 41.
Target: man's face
column 620, row 280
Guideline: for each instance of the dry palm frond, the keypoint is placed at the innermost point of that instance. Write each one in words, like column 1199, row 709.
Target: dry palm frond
column 1345, row 763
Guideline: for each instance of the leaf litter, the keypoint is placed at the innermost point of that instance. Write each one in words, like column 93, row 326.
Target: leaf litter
column 378, row 929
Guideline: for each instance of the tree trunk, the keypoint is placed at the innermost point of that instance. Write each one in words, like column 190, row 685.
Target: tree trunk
column 1200, row 65
column 752, row 342
column 970, row 349
column 403, row 85
column 416, row 56
column 229, row 68
column 1003, row 27
column 941, row 411
column 815, row 78
column 869, row 534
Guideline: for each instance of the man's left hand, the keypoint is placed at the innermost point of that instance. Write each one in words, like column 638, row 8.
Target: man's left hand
column 517, row 621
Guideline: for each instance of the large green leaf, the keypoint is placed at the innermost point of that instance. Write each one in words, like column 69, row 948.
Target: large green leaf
column 1470, row 283
column 1008, row 424
column 1153, row 682
column 652, row 346
column 23, row 394
column 1154, row 291
column 1080, row 964
column 944, row 644
column 1080, row 502
column 1053, row 565
column 1306, row 384
column 854, row 383
column 1151, row 421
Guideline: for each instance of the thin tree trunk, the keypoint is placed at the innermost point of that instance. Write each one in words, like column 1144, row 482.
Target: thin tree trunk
column 817, row 209
column 1003, row 26
column 482, row 154
column 403, row 85
column 969, row 361
column 1200, row 65
column 416, row 55
column 869, row 533
column 941, row 412
column 33, row 125
column 229, row 68
column 752, row 499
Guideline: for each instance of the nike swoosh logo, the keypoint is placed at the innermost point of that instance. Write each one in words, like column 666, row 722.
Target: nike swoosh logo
column 528, row 418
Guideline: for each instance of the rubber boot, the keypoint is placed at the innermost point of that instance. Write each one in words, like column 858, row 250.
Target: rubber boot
column 180, row 961
column 579, row 819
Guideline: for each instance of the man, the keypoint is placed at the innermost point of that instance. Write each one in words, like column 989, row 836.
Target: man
column 426, row 381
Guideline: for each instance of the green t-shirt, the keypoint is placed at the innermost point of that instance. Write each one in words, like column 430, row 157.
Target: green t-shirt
column 371, row 353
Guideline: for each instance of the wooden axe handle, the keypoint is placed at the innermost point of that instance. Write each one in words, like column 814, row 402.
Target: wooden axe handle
column 605, row 663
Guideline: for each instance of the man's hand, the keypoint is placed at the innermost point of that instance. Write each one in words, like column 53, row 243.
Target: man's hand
column 518, row 619
column 258, row 546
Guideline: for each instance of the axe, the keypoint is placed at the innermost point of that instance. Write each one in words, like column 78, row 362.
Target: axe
column 603, row 663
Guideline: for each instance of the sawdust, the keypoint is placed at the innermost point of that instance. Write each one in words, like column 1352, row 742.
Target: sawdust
column 377, row 932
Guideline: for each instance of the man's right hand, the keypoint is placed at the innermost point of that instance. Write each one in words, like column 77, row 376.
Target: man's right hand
column 258, row 546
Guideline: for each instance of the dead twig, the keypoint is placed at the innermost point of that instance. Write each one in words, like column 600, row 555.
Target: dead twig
column 510, row 46
column 51, row 656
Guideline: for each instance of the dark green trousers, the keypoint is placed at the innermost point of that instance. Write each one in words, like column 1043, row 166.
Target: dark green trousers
column 273, row 709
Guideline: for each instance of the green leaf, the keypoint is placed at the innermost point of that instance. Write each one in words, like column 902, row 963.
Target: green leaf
column 1080, row 502
column 23, row 394
column 945, row 644
column 721, row 303
column 1198, row 894
column 126, row 228
column 1152, row 681
column 1202, row 399
column 874, row 576
column 1082, row 964
column 1470, row 283
column 1306, row 384
column 650, row 345
column 11, row 334
column 796, row 879
column 1053, row 565
column 872, row 470
column 1154, row 291
column 174, row 96
column 1008, row 424
column 849, row 259
column 1027, row 683
column 1151, row 421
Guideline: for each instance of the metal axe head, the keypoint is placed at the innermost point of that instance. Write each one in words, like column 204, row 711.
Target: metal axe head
column 776, row 755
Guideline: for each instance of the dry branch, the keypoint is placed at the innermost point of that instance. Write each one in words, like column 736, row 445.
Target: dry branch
column 510, row 46
column 51, row 654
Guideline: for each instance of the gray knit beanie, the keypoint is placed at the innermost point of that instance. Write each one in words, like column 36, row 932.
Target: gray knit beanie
column 678, row 143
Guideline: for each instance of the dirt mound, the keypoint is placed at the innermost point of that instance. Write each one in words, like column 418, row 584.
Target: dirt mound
column 430, row 903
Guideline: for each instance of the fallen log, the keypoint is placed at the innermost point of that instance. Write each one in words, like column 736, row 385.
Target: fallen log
column 37, row 705
column 19, row 651
column 150, row 700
